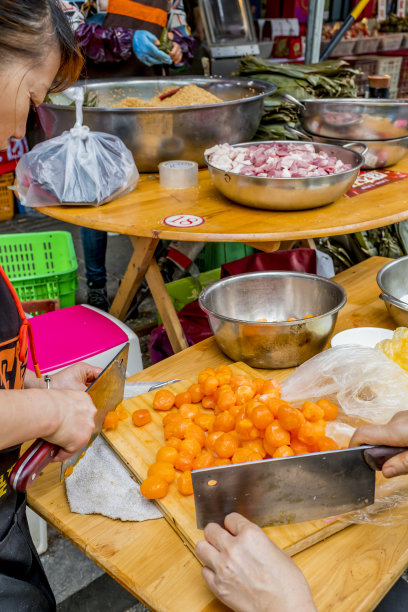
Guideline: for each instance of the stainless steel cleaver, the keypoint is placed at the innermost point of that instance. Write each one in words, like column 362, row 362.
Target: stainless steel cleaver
column 290, row 489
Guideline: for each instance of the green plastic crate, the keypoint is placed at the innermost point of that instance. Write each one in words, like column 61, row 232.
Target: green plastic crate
column 186, row 290
column 41, row 265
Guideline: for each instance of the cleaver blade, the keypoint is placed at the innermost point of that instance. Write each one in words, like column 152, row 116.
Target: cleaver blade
column 292, row 489
column 106, row 393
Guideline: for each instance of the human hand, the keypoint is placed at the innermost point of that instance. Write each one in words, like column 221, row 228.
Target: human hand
column 246, row 571
column 74, row 418
column 176, row 53
column 76, row 377
column 145, row 48
column 393, row 433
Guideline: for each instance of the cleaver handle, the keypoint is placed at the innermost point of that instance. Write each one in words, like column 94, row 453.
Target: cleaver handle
column 31, row 463
column 376, row 456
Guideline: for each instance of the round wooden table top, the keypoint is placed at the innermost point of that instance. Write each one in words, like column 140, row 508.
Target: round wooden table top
column 145, row 212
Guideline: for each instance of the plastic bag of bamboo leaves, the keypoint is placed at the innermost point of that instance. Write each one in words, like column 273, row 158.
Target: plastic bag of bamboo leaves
column 331, row 79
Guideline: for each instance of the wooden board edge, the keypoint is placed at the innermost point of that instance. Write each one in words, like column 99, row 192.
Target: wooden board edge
column 316, row 537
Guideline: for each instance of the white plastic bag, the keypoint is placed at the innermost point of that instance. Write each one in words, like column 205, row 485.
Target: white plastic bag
column 79, row 167
column 367, row 386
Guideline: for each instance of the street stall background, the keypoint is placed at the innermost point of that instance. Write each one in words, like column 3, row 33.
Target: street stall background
column 275, row 35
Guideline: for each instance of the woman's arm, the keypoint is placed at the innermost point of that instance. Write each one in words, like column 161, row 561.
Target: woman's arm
column 393, row 433
column 104, row 44
column 32, row 382
column 63, row 414
column 248, row 572
column 65, row 418
column 76, row 377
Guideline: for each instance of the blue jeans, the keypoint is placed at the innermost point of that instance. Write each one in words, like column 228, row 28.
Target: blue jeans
column 94, row 246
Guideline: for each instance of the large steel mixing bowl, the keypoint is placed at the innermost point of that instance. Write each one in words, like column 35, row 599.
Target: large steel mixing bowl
column 392, row 279
column 234, row 304
column 289, row 193
column 175, row 132
column 354, row 119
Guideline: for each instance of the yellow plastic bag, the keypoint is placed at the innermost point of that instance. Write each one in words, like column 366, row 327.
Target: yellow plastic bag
column 396, row 348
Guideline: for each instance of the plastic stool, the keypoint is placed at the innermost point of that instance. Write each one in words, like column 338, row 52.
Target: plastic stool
column 38, row 530
column 66, row 336
column 81, row 333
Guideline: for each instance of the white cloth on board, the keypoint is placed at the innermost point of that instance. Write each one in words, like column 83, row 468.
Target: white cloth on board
column 100, row 484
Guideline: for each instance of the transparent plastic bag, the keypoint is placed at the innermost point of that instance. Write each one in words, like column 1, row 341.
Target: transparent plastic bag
column 368, row 388
column 366, row 385
column 390, row 506
column 79, row 167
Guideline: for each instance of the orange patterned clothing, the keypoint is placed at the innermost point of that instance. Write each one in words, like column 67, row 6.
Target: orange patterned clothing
column 148, row 15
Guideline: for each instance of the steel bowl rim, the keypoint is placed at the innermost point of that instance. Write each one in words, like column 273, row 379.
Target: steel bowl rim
column 290, row 178
column 357, row 102
column 278, row 274
column 384, row 269
column 345, row 140
column 269, row 88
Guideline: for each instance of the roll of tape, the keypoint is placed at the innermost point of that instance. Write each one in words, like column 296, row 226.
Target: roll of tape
column 178, row 174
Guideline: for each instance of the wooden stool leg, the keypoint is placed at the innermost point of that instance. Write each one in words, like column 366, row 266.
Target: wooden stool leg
column 165, row 307
column 287, row 245
column 267, row 247
column 135, row 272
column 308, row 243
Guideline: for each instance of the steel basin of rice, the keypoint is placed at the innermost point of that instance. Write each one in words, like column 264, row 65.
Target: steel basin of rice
column 156, row 134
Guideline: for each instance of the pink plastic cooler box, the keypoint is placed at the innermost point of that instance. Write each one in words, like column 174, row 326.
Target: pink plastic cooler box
column 81, row 333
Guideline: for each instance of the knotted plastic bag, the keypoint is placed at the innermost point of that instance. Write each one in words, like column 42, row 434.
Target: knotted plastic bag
column 368, row 388
column 366, row 385
column 78, row 167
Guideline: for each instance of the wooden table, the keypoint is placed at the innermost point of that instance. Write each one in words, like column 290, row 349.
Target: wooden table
column 348, row 572
column 141, row 215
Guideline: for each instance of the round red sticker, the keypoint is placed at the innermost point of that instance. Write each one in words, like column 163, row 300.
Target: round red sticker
column 183, row 221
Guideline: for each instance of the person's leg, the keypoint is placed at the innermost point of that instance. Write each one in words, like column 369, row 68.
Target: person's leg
column 94, row 244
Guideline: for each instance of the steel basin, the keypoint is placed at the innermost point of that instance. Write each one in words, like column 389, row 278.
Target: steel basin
column 392, row 279
column 355, row 119
column 158, row 134
column 380, row 153
column 234, row 304
column 289, row 193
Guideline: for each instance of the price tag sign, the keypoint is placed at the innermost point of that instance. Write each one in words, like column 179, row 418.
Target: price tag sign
column 372, row 180
column 183, row 221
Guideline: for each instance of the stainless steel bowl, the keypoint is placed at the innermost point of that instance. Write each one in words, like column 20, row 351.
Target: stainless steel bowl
column 175, row 132
column 354, row 119
column 380, row 153
column 234, row 304
column 289, row 193
column 392, row 279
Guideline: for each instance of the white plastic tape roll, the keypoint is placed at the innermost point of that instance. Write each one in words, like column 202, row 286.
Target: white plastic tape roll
column 178, row 174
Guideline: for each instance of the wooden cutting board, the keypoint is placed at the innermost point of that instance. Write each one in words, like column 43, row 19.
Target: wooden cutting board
column 137, row 447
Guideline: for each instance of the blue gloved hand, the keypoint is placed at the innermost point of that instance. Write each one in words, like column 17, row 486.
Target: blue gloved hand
column 146, row 51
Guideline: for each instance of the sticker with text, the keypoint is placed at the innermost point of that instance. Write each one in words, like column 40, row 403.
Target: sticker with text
column 372, row 180
column 185, row 221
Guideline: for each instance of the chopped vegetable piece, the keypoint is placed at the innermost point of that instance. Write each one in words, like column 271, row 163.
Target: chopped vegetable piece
column 68, row 471
column 141, row 417
column 154, row 487
column 185, row 483
column 111, row 420
column 164, row 400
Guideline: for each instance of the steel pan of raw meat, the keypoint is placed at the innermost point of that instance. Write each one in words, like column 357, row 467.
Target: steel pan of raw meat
column 284, row 175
